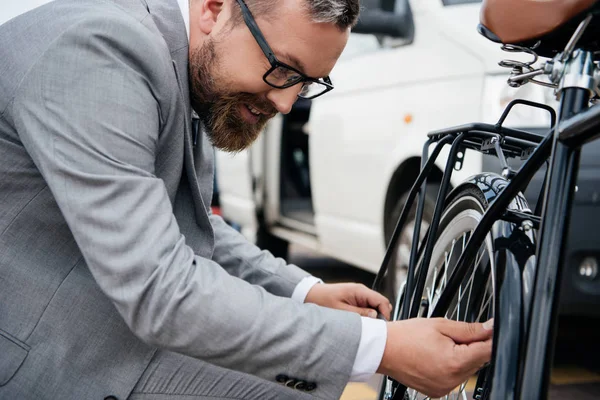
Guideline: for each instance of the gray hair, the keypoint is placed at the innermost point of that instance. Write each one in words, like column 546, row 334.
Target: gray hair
column 342, row 13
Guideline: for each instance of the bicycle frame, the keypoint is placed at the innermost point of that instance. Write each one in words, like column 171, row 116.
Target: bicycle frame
column 562, row 148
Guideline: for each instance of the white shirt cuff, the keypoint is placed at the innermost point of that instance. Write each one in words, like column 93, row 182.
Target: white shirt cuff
column 370, row 349
column 372, row 339
column 303, row 287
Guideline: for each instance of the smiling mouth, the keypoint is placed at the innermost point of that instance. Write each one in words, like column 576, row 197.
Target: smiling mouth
column 253, row 110
column 250, row 114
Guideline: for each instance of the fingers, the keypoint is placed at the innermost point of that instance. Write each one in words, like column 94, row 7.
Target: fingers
column 465, row 332
column 352, row 297
column 475, row 355
column 365, row 312
column 372, row 299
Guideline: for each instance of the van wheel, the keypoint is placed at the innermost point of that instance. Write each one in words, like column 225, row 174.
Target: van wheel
column 266, row 241
column 398, row 267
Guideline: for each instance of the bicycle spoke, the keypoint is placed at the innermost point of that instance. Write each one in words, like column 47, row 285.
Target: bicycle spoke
column 438, row 288
column 460, row 295
column 469, row 296
column 475, row 266
column 485, row 305
column 464, row 392
column 470, row 281
column 431, row 292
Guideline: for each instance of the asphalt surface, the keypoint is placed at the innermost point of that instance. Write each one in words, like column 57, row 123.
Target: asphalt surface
column 576, row 366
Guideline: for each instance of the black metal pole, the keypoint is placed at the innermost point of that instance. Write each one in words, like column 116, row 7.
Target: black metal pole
column 558, row 199
column 581, row 128
column 435, row 221
column 414, row 248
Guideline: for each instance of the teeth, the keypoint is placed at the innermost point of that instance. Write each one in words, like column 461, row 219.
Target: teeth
column 253, row 110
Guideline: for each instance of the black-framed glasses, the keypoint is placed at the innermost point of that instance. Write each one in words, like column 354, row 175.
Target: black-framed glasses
column 281, row 75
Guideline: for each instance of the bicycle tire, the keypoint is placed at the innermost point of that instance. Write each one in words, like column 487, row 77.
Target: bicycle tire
column 468, row 202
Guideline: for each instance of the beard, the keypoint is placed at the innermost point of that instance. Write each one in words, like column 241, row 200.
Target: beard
column 218, row 109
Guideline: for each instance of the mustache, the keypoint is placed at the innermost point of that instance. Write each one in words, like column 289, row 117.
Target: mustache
column 262, row 105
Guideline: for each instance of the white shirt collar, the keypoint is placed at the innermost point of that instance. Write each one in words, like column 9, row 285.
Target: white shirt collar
column 184, row 6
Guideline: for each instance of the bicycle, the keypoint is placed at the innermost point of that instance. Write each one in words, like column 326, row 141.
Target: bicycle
column 486, row 253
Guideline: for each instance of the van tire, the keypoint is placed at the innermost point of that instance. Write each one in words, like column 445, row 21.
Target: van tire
column 275, row 245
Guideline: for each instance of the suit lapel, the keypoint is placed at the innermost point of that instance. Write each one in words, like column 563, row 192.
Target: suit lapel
column 167, row 17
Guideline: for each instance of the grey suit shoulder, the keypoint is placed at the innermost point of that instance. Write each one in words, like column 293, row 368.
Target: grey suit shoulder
column 108, row 250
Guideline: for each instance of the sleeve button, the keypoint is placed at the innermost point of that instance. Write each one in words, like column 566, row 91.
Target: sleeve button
column 310, row 386
column 281, row 378
column 301, row 385
column 110, row 398
column 290, row 383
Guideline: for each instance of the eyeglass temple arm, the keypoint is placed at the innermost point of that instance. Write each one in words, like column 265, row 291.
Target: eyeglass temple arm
column 262, row 43
column 264, row 46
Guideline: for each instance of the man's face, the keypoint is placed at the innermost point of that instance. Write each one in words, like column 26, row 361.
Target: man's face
column 227, row 66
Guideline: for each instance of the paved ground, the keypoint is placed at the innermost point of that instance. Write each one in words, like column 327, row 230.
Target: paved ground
column 576, row 369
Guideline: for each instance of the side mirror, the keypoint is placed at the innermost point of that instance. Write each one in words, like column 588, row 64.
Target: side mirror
column 397, row 24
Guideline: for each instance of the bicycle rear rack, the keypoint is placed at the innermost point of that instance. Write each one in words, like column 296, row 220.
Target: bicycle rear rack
column 492, row 139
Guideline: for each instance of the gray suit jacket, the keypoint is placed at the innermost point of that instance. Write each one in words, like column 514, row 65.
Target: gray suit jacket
column 108, row 249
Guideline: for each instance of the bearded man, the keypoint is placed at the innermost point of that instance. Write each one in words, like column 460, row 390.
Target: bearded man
column 116, row 281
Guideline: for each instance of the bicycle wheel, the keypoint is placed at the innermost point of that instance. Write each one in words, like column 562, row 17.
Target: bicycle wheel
column 475, row 298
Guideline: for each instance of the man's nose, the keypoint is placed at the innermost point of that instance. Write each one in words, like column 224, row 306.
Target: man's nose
column 284, row 99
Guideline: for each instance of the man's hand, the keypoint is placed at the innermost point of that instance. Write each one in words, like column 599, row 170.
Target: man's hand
column 436, row 355
column 350, row 297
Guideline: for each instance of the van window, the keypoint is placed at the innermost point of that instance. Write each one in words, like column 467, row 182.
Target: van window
column 360, row 44
column 454, row 2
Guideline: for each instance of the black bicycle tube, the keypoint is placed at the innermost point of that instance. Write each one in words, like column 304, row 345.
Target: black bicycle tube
column 412, row 264
column 558, row 199
column 433, row 227
column 581, row 128
column 540, row 202
column 507, row 326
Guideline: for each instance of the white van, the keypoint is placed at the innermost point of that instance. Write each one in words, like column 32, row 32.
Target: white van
column 12, row 9
column 332, row 174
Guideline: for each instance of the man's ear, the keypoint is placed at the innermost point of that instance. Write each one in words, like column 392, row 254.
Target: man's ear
column 204, row 13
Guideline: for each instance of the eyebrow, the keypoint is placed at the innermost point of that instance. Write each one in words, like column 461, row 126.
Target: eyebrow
column 295, row 62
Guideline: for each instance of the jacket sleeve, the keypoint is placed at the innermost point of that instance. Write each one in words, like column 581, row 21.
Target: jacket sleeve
column 90, row 112
column 246, row 261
